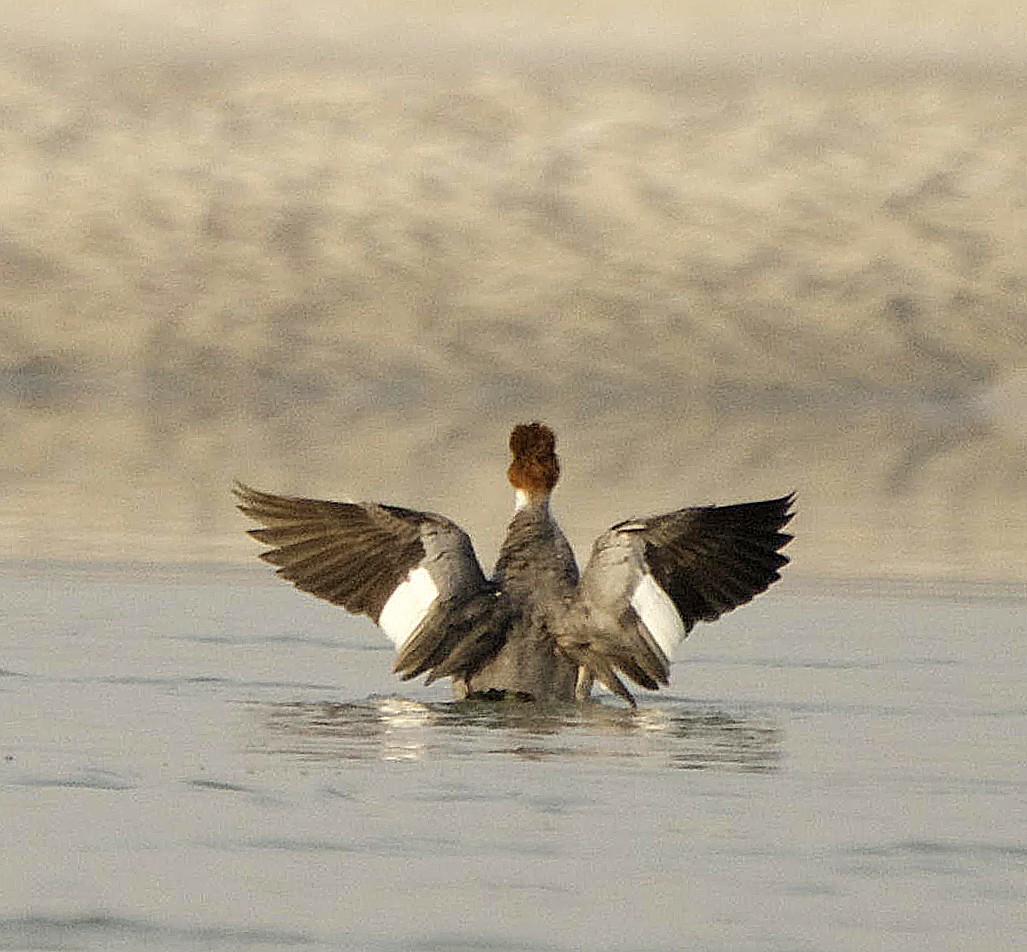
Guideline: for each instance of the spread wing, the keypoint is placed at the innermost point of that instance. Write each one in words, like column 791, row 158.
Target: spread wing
column 649, row 581
column 413, row 573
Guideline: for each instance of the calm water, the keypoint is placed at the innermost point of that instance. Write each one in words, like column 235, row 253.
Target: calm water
column 205, row 759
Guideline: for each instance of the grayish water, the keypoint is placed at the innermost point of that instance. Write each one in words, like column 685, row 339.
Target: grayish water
column 203, row 759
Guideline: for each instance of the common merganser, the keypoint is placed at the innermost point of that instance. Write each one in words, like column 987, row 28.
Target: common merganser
column 535, row 631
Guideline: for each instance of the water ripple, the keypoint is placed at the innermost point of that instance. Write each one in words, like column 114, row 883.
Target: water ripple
column 674, row 734
column 90, row 779
column 107, row 931
column 945, row 848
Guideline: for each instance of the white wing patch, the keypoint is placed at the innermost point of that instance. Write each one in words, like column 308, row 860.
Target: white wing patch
column 407, row 606
column 657, row 612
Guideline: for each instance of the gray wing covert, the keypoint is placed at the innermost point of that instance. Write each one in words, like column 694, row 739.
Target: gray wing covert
column 406, row 570
column 649, row 581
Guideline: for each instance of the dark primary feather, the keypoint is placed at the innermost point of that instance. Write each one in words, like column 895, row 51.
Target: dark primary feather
column 712, row 559
column 350, row 554
column 356, row 554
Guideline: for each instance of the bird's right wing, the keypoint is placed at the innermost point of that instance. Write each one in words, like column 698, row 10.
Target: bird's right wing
column 413, row 573
column 649, row 581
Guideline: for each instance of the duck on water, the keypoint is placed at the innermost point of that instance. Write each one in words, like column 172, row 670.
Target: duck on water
column 538, row 630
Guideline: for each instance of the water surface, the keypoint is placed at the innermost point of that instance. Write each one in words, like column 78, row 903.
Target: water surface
column 203, row 759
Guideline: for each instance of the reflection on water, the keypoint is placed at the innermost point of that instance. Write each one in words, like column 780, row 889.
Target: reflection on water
column 391, row 728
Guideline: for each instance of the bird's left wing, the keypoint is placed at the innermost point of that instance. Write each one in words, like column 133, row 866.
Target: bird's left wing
column 406, row 570
column 649, row 581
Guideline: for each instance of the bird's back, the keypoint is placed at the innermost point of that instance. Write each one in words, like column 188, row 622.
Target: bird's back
column 537, row 574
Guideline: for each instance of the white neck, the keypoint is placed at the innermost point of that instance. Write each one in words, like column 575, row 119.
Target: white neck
column 522, row 500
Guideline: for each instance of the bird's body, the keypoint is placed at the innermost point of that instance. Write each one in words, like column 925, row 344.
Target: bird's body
column 537, row 630
column 537, row 573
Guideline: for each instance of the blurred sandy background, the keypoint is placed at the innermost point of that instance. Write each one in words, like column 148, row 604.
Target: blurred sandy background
column 333, row 251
